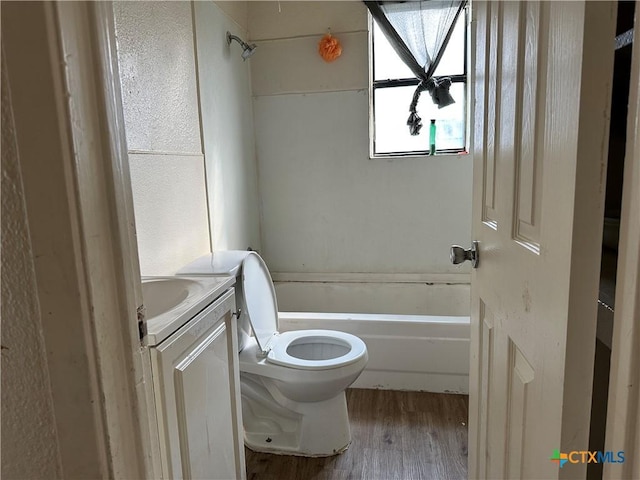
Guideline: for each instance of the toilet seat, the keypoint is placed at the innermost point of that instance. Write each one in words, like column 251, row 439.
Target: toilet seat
column 279, row 353
column 262, row 310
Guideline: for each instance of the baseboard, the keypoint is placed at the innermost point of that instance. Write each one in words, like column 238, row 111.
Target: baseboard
column 413, row 382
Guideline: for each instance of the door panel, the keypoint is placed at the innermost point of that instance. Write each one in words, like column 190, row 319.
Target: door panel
column 521, row 374
column 485, row 368
column 490, row 120
column 202, row 390
column 197, row 393
column 540, row 138
column 530, row 122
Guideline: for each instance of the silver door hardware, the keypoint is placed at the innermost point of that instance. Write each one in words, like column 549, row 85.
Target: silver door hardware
column 459, row 254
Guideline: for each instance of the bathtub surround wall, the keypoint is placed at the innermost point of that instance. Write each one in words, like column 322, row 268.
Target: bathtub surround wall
column 327, row 209
column 227, row 126
column 159, row 92
column 187, row 105
column 345, row 233
column 368, row 293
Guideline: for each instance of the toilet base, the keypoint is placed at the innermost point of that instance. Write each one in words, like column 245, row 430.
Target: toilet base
column 293, row 453
column 309, row 429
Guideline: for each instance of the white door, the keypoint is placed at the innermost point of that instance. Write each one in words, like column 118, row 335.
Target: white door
column 542, row 87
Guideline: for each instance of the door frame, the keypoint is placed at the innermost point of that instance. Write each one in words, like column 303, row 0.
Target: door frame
column 77, row 187
column 87, row 34
column 623, row 411
column 86, row 85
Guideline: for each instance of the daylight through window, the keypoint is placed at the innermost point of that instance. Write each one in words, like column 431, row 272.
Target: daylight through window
column 392, row 90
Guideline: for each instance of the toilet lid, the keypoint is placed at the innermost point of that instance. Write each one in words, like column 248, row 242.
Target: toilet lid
column 260, row 300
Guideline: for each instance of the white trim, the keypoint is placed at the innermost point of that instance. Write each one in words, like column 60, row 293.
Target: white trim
column 372, row 125
column 320, row 277
column 411, row 156
column 103, row 193
column 623, row 411
column 138, row 427
column 412, row 381
column 166, row 152
column 207, row 187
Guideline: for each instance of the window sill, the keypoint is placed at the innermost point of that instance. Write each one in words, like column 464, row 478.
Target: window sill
column 415, row 156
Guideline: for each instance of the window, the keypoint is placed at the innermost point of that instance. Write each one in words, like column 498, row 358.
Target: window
column 392, row 89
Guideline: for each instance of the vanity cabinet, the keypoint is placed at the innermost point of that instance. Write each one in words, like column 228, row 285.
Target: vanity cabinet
column 197, row 393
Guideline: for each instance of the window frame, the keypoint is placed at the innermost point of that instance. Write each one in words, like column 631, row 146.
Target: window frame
column 403, row 82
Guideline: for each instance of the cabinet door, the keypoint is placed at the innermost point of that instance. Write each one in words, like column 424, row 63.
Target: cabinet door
column 195, row 382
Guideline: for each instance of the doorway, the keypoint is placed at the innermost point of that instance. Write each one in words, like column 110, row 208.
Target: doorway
column 611, row 229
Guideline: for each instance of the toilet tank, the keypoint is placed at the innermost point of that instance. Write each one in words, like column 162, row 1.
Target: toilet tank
column 225, row 263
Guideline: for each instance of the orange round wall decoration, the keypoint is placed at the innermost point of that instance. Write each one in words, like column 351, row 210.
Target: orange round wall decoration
column 329, row 48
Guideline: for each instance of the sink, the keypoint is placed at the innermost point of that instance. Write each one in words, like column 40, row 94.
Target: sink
column 163, row 294
column 170, row 302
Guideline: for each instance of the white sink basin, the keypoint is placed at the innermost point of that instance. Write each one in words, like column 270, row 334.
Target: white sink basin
column 170, row 302
column 164, row 294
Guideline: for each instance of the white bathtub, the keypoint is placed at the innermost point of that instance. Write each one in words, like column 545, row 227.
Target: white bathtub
column 417, row 333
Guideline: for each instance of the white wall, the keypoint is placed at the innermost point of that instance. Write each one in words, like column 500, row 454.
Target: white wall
column 325, row 206
column 29, row 436
column 236, row 10
column 160, row 99
column 227, row 126
column 189, row 121
column 371, row 294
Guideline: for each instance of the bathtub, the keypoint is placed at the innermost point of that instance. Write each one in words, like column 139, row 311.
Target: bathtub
column 417, row 332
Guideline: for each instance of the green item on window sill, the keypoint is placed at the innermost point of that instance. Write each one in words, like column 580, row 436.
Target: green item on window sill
column 432, row 137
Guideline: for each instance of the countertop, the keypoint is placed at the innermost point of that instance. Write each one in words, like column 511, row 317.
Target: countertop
column 203, row 291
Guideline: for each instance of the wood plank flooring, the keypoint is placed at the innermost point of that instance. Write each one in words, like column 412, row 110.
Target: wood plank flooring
column 395, row 435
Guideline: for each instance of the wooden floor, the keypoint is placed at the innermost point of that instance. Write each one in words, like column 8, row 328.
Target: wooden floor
column 395, row 435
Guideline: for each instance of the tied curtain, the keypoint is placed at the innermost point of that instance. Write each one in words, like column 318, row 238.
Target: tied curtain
column 419, row 32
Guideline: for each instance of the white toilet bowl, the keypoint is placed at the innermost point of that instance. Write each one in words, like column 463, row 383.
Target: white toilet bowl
column 320, row 363
column 300, row 409
column 292, row 383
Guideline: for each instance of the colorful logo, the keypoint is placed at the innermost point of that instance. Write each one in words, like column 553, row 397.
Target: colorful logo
column 559, row 458
column 586, row 457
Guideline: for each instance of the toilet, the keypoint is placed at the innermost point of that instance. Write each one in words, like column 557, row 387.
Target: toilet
column 292, row 383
